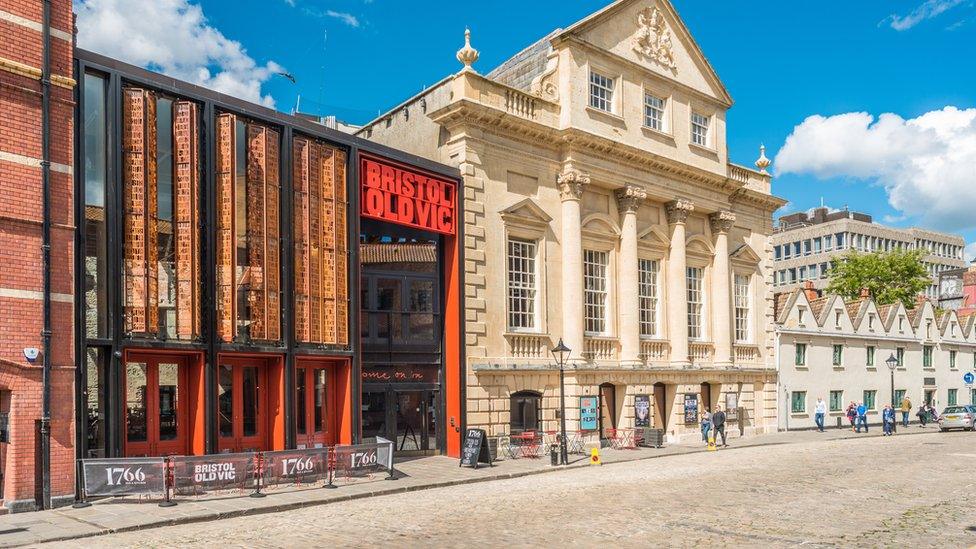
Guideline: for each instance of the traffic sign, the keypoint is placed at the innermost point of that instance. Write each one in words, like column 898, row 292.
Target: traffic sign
column 968, row 378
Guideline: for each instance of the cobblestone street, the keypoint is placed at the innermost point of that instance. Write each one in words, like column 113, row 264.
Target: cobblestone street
column 858, row 492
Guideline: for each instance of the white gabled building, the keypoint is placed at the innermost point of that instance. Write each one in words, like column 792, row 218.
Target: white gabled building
column 835, row 349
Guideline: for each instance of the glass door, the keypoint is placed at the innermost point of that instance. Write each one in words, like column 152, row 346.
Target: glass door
column 155, row 406
column 242, row 405
column 313, row 386
column 416, row 422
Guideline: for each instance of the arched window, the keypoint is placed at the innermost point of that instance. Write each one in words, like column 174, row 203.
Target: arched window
column 526, row 408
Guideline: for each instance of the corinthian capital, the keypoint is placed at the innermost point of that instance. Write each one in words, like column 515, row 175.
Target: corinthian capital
column 630, row 197
column 722, row 221
column 571, row 184
column 678, row 210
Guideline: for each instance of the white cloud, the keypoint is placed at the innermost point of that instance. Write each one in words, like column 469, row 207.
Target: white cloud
column 174, row 37
column 926, row 164
column 925, row 10
column 346, row 18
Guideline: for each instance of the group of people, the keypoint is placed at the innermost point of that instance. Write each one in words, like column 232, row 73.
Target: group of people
column 857, row 415
column 713, row 421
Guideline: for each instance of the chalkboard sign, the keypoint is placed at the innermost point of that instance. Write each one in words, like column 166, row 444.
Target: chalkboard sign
column 475, row 449
column 691, row 408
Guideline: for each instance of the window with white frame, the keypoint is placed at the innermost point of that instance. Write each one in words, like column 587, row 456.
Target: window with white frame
column 647, row 274
column 601, row 92
column 693, row 280
column 595, row 290
column 654, row 112
column 699, row 129
column 521, row 284
column 741, row 299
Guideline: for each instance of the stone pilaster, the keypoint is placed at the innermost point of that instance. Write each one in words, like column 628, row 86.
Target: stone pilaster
column 721, row 223
column 572, row 182
column 678, row 211
column 629, row 200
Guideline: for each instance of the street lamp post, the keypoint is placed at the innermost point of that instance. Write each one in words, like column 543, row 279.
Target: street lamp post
column 560, row 352
column 892, row 363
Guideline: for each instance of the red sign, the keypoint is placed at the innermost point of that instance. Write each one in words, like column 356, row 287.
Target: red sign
column 398, row 194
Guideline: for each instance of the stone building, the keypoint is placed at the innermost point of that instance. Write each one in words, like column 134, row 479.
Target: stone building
column 837, row 350
column 601, row 208
column 805, row 243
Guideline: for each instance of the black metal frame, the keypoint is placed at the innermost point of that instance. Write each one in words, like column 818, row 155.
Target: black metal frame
column 118, row 73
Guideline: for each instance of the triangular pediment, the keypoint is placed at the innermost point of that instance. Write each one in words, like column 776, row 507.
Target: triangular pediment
column 651, row 34
column 526, row 212
column 745, row 253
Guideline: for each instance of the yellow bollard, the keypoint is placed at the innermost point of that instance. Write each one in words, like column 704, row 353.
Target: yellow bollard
column 595, row 457
column 711, row 443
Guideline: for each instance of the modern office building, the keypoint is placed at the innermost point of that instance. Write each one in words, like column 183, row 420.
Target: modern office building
column 838, row 350
column 601, row 209
column 805, row 243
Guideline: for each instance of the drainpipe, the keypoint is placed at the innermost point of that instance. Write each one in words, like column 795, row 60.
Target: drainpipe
column 46, row 257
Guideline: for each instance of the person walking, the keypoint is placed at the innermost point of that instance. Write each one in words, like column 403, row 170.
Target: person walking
column 906, row 408
column 706, row 425
column 888, row 420
column 852, row 414
column 923, row 416
column 718, row 425
column 862, row 417
column 820, row 413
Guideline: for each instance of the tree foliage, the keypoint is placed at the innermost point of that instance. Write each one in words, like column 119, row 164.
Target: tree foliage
column 898, row 275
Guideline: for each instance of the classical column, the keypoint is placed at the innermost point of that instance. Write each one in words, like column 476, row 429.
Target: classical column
column 721, row 223
column 571, row 185
column 678, row 211
column 629, row 199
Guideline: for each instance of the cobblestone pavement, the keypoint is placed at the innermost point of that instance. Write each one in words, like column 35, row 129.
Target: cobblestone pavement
column 871, row 492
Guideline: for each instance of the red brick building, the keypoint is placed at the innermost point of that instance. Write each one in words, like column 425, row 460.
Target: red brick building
column 22, row 295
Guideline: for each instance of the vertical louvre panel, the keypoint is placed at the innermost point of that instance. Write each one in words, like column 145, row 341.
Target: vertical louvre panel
column 139, row 196
column 315, row 243
column 226, row 303
column 256, row 236
column 300, row 152
column 328, row 247
column 341, row 250
column 272, row 255
column 186, row 144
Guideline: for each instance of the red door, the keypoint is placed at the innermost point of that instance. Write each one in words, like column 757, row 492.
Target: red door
column 156, row 420
column 242, row 403
column 313, row 398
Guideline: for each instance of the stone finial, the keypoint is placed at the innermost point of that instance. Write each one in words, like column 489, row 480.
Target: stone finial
column 722, row 221
column 678, row 210
column 467, row 55
column 762, row 163
column 630, row 197
column 571, row 184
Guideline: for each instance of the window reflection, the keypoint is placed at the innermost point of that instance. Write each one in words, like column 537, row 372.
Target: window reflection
column 96, row 307
column 136, row 404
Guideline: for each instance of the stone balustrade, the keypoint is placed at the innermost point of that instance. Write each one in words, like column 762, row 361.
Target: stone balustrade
column 528, row 346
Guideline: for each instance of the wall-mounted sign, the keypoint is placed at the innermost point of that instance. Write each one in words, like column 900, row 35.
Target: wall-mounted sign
column 398, row 194
column 589, row 413
column 732, row 406
column 691, row 408
column 642, row 411
column 401, row 373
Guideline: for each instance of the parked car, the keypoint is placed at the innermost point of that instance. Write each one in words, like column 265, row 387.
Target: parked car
column 957, row 417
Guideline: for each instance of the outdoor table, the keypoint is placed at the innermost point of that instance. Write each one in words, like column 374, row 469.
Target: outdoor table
column 526, row 444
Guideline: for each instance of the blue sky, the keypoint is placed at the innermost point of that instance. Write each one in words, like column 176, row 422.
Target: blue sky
column 782, row 61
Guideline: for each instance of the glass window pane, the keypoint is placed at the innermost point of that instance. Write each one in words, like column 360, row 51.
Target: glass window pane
column 136, row 401
column 225, row 400
column 96, row 308
column 169, row 375
column 300, row 397
column 320, row 400
column 250, row 402
column 95, row 401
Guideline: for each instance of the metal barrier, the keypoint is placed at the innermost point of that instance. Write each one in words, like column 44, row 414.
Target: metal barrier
column 195, row 475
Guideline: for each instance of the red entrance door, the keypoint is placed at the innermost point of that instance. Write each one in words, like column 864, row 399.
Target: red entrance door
column 313, row 398
column 242, row 403
column 156, row 421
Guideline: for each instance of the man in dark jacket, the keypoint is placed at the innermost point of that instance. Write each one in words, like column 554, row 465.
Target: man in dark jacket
column 718, row 424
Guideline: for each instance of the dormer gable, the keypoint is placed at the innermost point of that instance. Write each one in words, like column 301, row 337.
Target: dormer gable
column 867, row 319
column 834, row 316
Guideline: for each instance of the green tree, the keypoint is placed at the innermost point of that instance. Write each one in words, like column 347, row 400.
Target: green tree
column 898, row 275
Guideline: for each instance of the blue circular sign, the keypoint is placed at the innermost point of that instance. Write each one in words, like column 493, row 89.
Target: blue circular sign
column 968, row 377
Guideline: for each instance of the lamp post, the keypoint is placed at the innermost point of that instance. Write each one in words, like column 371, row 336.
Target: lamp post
column 560, row 352
column 892, row 363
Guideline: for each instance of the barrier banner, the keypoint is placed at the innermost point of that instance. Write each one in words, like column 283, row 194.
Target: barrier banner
column 192, row 474
column 295, row 466
column 363, row 460
column 124, row 476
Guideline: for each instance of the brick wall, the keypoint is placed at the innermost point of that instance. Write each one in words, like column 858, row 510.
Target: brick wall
column 21, row 276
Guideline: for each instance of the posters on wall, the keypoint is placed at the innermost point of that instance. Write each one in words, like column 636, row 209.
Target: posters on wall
column 691, row 408
column 589, row 413
column 642, row 411
column 732, row 406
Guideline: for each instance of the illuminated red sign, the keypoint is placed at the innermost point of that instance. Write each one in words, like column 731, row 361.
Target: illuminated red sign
column 401, row 195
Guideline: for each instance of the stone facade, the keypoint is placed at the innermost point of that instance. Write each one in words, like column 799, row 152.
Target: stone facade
column 804, row 245
column 586, row 212
column 827, row 345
